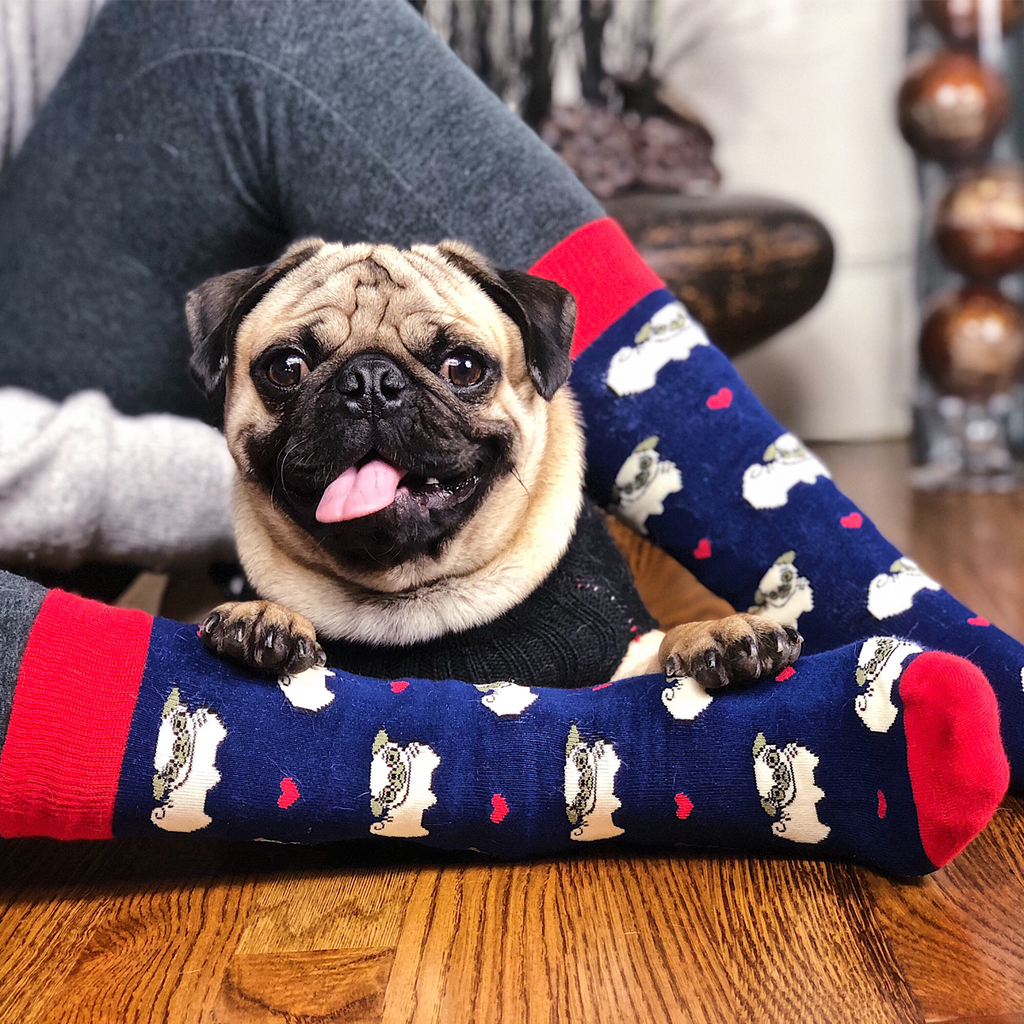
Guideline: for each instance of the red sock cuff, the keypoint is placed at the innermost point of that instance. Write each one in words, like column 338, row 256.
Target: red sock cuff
column 605, row 274
column 72, row 711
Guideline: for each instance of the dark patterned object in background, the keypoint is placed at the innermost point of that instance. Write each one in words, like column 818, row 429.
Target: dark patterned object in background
column 745, row 266
column 617, row 153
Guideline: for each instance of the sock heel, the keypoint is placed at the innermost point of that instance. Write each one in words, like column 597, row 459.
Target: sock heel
column 958, row 769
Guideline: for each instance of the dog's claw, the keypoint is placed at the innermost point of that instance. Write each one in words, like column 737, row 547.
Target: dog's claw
column 737, row 649
column 263, row 636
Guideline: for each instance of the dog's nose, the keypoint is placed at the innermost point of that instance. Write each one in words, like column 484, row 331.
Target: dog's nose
column 371, row 383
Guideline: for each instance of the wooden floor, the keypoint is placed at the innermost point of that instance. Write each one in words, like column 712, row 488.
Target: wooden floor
column 187, row 931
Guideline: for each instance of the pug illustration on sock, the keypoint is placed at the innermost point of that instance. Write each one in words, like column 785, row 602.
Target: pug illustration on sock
column 891, row 593
column 685, row 699
column 642, row 485
column 669, row 336
column 506, row 699
column 185, row 762
column 590, row 800
column 789, row 794
column 786, row 463
column 307, row 690
column 783, row 594
column 400, row 786
column 879, row 666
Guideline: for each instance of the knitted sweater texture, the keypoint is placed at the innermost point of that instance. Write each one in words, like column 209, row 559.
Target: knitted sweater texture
column 573, row 630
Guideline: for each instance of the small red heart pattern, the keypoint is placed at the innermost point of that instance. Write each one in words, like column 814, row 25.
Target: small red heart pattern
column 683, row 805
column 399, row 685
column 289, row 794
column 854, row 521
column 499, row 809
column 882, row 806
column 787, row 673
column 703, row 549
column 978, row 620
column 722, row 399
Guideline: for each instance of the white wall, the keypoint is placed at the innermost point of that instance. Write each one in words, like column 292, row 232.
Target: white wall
column 800, row 97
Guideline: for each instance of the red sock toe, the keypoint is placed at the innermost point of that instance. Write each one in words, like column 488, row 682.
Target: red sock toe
column 958, row 769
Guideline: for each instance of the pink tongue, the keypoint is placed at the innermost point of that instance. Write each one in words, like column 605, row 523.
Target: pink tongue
column 359, row 492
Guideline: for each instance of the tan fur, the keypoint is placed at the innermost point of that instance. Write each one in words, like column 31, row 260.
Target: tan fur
column 363, row 295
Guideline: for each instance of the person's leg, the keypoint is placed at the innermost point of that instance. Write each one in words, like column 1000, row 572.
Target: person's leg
column 875, row 752
column 680, row 448
column 188, row 139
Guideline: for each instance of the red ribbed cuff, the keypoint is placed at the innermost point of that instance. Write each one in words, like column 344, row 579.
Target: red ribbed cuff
column 605, row 274
column 73, row 705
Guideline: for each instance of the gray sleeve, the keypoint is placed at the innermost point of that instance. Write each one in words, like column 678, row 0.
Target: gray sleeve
column 79, row 481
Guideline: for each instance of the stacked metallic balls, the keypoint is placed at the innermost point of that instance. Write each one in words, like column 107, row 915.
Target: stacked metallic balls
column 952, row 106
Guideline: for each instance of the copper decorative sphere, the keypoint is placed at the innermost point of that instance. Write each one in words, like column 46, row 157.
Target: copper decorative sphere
column 957, row 20
column 972, row 342
column 951, row 106
column 979, row 227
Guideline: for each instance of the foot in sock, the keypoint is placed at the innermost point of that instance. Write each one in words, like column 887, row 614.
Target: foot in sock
column 876, row 752
column 682, row 451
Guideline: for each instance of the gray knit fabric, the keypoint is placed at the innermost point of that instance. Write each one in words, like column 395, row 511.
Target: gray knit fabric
column 19, row 605
column 189, row 139
column 81, row 482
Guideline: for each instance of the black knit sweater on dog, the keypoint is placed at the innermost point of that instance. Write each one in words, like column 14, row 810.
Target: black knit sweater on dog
column 573, row 630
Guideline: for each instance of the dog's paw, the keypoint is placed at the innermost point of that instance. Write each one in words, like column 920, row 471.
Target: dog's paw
column 736, row 649
column 263, row 636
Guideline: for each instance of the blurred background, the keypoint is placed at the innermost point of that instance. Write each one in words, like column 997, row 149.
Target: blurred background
column 778, row 115
column 833, row 187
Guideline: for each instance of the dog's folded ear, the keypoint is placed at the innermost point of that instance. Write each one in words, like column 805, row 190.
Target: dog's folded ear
column 544, row 312
column 217, row 307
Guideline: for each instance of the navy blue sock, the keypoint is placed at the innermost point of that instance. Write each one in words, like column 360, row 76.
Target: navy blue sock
column 680, row 449
column 874, row 752
column 121, row 725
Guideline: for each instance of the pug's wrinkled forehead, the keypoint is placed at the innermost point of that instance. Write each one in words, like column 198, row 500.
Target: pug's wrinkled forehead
column 364, row 296
column 355, row 297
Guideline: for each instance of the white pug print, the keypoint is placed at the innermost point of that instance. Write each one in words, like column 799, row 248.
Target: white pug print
column 891, row 593
column 783, row 594
column 785, row 464
column 590, row 800
column 642, row 485
column 400, row 786
column 505, row 698
column 669, row 336
column 307, row 690
column 185, row 762
column 879, row 666
column 789, row 794
column 685, row 699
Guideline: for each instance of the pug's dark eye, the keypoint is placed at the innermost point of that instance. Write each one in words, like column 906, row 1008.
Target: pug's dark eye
column 462, row 369
column 286, row 369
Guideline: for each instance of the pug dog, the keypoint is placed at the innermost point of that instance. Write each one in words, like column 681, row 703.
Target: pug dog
column 409, row 495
